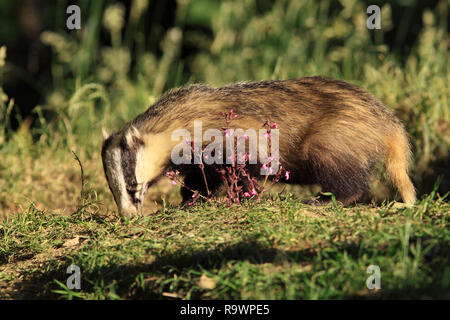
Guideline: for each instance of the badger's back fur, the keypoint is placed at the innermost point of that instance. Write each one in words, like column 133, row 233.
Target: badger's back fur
column 331, row 133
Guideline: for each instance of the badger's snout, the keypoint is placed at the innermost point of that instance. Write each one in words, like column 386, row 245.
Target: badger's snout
column 128, row 213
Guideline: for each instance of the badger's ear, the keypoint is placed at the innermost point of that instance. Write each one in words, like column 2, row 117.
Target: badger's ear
column 105, row 133
column 134, row 137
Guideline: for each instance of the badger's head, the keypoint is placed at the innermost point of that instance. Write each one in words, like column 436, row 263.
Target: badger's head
column 132, row 163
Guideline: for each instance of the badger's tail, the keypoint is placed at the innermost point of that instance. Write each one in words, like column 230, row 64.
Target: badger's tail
column 398, row 157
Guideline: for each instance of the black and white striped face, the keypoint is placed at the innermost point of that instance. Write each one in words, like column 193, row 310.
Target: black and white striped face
column 119, row 155
column 132, row 163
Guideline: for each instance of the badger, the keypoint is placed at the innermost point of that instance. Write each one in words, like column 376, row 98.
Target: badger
column 331, row 133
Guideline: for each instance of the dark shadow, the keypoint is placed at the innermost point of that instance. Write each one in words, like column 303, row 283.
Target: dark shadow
column 41, row 286
column 439, row 169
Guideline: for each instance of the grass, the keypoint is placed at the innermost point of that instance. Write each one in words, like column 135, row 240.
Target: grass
column 276, row 249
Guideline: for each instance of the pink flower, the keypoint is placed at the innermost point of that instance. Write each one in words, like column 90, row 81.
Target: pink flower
column 274, row 125
column 174, row 182
column 267, row 135
column 245, row 137
column 246, row 194
column 287, row 175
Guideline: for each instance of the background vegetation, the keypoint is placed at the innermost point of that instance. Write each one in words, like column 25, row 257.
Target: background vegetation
column 58, row 88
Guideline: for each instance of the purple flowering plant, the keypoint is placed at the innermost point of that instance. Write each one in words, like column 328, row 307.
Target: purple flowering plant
column 240, row 184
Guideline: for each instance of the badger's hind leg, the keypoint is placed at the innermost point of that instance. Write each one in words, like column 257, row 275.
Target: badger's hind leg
column 340, row 174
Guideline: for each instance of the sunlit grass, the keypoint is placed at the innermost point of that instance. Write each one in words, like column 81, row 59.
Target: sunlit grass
column 273, row 250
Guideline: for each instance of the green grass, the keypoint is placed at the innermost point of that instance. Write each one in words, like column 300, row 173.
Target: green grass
column 277, row 249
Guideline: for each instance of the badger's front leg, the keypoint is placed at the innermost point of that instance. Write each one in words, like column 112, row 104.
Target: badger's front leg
column 195, row 181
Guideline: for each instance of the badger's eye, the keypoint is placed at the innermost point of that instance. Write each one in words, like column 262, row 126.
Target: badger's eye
column 135, row 187
column 131, row 191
